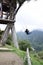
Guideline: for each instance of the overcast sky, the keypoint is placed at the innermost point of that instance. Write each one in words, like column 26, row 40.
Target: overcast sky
column 29, row 16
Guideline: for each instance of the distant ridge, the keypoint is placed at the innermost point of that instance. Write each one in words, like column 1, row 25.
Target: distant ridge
column 36, row 38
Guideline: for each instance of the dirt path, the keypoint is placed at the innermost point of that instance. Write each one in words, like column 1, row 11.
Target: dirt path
column 9, row 58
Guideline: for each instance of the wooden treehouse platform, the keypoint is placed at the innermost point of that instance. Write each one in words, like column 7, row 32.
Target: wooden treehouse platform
column 6, row 21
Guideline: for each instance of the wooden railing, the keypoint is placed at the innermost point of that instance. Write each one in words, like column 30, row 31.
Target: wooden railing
column 28, row 57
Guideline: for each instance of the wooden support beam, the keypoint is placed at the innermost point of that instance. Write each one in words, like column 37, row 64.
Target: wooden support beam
column 14, row 36
column 5, row 35
column 6, row 21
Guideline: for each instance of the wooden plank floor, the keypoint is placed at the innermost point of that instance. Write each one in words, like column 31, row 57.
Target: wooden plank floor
column 6, row 21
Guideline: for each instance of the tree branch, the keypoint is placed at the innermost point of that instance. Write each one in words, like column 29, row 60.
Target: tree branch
column 17, row 9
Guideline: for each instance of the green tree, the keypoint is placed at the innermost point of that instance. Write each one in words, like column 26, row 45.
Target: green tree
column 9, row 40
column 24, row 44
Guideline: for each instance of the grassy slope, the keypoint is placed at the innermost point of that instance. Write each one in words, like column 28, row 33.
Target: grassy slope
column 20, row 53
column 34, row 58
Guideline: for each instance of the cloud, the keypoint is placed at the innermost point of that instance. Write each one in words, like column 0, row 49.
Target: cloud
column 30, row 15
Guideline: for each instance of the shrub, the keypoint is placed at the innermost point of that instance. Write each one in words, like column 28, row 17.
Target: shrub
column 1, row 33
column 9, row 40
column 24, row 44
column 26, row 61
column 40, row 54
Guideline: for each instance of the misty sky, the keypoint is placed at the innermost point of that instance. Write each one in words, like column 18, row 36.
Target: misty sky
column 29, row 16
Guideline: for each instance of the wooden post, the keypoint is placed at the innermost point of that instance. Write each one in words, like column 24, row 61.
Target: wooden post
column 28, row 57
column 1, row 13
column 14, row 36
column 5, row 35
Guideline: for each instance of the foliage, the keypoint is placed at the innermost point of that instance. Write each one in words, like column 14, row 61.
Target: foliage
column 25, row 61
column 19, row 52
column 1, row 33
column 40, row 54
column 9, row 40
column 24, row 44
column 35, row 60
column 35, row 37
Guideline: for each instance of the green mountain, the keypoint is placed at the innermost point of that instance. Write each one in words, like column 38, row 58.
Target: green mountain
column 35, row 37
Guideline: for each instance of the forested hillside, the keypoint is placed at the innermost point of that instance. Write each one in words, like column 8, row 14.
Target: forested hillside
column 35, row 38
